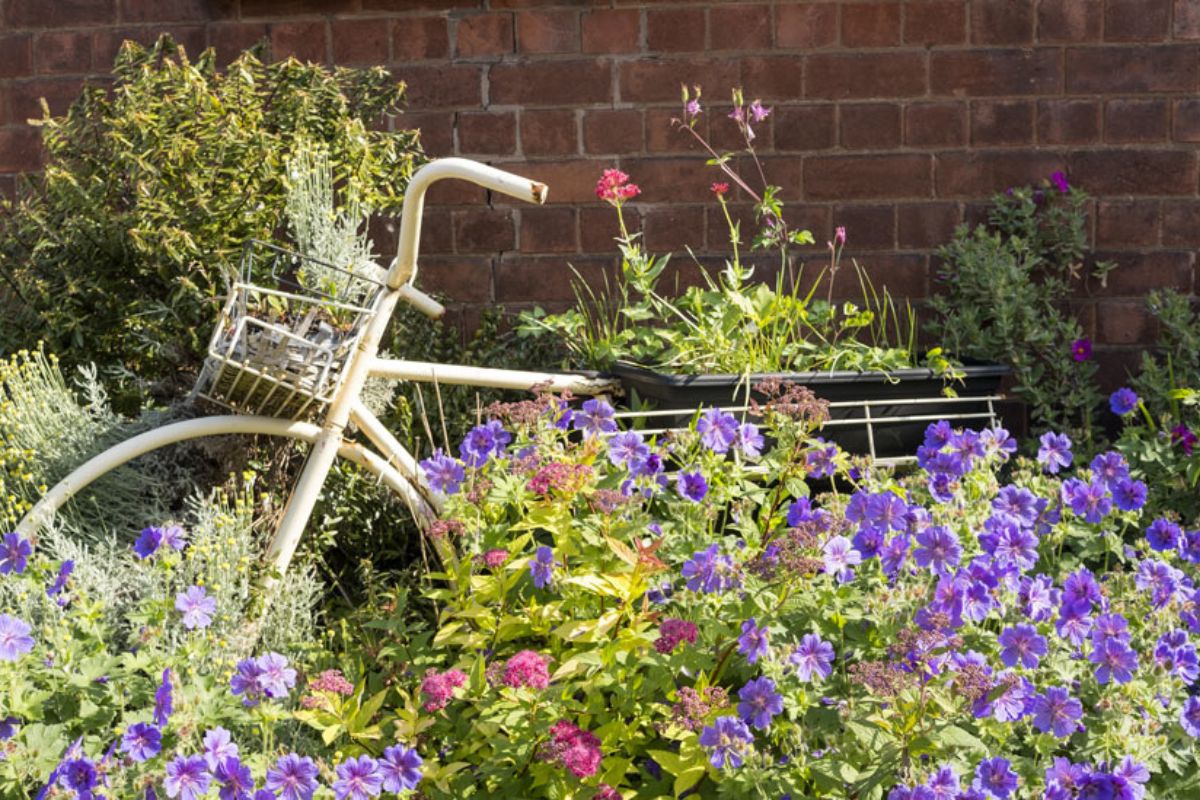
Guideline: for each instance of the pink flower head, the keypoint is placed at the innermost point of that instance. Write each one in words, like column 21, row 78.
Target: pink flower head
column 839, row 235
column 576, row 749
column 758, row 112
column 614, row 187
column 494, row 559
column 1060, row 182
column 527, row 668
column 672, row 632
column 692, row 108
column 606, row 792
column 438, row 688
column 1183, row 436
column 1081, row 349
column 720, row 189
column 331, row 680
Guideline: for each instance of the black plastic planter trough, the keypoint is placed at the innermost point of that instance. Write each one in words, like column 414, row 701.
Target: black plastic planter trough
column 879, row 414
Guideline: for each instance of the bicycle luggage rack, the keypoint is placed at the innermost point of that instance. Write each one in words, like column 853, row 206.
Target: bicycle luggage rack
column 282, row 352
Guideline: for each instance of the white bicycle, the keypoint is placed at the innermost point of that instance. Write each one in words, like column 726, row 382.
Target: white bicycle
column 292, row 362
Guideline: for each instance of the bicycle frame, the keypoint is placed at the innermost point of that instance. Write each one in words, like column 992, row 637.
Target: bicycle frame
column 396, row 467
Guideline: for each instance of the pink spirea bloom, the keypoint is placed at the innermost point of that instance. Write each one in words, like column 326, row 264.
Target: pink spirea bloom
column 493, row 559
column 673, row 631
column 331, row 680
column 527, row 668
column 438, row 687
column 576, row 749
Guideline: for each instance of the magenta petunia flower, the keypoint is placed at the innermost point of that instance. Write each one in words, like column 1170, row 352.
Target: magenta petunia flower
column 1081, row 349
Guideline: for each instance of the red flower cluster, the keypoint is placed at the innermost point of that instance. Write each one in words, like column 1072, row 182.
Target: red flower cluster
column 526, row 668
column 576, row 749
column 614, row 187
column 719, row 189
column 438, row 688
column 672, row 632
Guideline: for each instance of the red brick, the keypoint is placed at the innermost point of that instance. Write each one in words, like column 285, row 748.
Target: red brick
column 63, row 51
column 465, row 279
column 548, row 31
column 1136, row 273
column 286, row 8
column 549, row 230
column 361, row 42
column 871, row 25
column 903, row 275
column 867, row 227
column 1136, row 121
column 141, row 11
column 842, row 177
column 739, row 27
column 456, row 193
column 1001, row 21
column 675, row 30
column 20, row 149
column 805, row 127
column 808, row 26
column 616, row 131
column 1181, row 223
column 548, row 133
column 1136, row 20
column 995, row 72
column 1124, row 322
column 230, row 39
column 107, row 42
column 773, row 77
column 1068, row 121
column 1187, row 19
column 436, row 233
column 1001, row 122
column 663, row 135
column 934, row 22
column 552, row 83
column 16, row 60
column 436, row 127
column 484, row 35
column 304, row 40
column 548, row 278
column 569, row 181
column 935, row 125
column 665, row 180
column 1127, row 223
column 1109, row 70
column 1187, row 120
column 980, row 173
column 659, row 81
column 483, row 230
column 925, row 225
column 870, row 125
column 25, row 97
column 598, row 228
column 418, row 5
column 1138, row 172
column 488, row 133
column 442, row 86
column 59, row 13
column 420, row 38
column 673, row 228
column 863, row 75
column 612, row 31
column 1070, row 20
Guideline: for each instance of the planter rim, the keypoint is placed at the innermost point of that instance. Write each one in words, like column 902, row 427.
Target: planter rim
column 626, row 369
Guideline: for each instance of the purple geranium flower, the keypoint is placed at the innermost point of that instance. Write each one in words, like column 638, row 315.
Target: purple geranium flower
column 1164, row 535
column 1189, row 717
column 1056, row 712
column 943, row 784
column 148, row 542
column 445, row 474
column 218, row 746
column 358, row 779
column 400, row 768
column 937, row 548
column 60, row 580
column 141, row 741
column 196, row 606
column 839, row 557
column 235, row 779
column 482, row 442
column 812, row 657
column 1088, row 500
column 759, row 703
column 541, row 567
column 163, row 705
column 749, row 440
column 187, row 778
column 692, row 486
column 995, row 776
column 893, row 553
column 1022, row 643
column 753, row 642
column 728, row 738
column 718, row 430
column 79, row 774
column 14, row 553
column 1129, row 495
column 1055, row 452
column 820, row 462
column 14, row 638
column 1115, row 661
column 293, row 777
column 594, row 418
column 1123, row 401
column 709, row 571
column 246, row 681
column 627, row 449
column 275, row 676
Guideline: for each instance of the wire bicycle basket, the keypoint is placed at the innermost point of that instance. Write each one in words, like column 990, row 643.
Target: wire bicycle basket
column 281, row 350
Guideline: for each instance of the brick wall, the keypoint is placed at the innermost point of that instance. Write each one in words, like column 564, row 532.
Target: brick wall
column 895, row 118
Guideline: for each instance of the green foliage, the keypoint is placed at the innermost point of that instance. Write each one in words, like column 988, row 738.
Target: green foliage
column 1004, row 294
column 1174, row 362
column 116, row 253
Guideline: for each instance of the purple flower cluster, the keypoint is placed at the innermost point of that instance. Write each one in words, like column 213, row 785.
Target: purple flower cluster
column 267, row 676
column 709, row 571
column 483, row 442
column 152, row 539
column 444, row 474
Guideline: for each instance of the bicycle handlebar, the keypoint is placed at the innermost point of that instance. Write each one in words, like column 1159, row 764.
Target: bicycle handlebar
column 404, row 268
